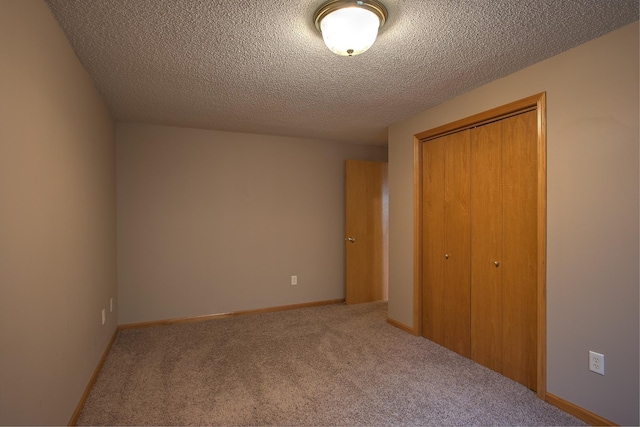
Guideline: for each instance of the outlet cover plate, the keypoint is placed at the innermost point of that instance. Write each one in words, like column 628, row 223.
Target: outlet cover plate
column 596, row 362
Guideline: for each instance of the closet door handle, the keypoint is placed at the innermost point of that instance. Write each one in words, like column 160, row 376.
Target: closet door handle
column 446, row 256
column 496, row 263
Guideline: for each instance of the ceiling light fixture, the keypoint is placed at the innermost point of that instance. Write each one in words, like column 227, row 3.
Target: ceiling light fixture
column 350, row 27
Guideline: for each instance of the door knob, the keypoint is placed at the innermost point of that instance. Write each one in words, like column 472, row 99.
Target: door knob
column 446, row 256
column 350, row 239
column 496, row 263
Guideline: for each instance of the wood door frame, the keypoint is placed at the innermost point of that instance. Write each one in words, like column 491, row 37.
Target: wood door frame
column 532, row 103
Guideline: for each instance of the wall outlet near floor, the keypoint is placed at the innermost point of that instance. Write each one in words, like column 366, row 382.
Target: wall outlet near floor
column 110, row 305
column 294, row 280
column 596, row 362
column 104, row 315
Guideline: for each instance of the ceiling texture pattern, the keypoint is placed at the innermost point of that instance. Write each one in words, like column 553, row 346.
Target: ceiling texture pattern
column 260, row 66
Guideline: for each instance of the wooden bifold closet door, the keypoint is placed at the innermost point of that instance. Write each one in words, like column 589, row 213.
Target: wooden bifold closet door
column 480, row 244
column 446, row 299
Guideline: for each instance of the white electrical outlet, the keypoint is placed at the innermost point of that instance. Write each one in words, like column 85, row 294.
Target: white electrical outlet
column 104, row 316
column 596, row 362
column 110, row 305
column 294, row 280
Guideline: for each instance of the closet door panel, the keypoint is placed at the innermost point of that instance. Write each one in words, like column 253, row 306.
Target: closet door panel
column 486, row 246
column 519, row 162
column 433, row 297
column 457, row 243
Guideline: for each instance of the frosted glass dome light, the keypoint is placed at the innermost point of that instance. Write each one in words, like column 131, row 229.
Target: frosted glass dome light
column 350, row 27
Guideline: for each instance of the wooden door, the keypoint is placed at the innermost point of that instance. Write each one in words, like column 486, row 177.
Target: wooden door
column 446, row 228
column 504, row 247
column 433, row 281
column 486, row 246
column 366, row 222
column 520, row 239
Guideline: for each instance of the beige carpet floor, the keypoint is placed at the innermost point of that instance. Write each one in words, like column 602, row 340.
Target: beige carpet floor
column 325, row 366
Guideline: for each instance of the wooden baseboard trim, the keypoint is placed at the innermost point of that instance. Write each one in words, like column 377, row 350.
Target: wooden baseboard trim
column 74, row 418
column 400, row 325
column 578, row 412
column 227, row 315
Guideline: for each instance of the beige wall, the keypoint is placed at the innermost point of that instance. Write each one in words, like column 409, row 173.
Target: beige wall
column 57, row 220
column 213, row 222
column 592, row 236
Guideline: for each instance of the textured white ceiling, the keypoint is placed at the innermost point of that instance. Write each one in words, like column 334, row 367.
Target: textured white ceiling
column 260, row 66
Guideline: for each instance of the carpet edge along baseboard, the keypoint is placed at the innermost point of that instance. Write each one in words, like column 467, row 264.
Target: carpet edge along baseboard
column 577, row 411
column 206, row 317
column 76, row 413
column 401, row 326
